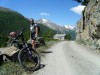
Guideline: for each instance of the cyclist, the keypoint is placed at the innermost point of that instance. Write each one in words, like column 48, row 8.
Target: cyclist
column 33, row 32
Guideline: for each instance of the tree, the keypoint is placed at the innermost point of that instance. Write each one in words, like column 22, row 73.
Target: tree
column 79, row 1
column 68, row 36
column 83, row 2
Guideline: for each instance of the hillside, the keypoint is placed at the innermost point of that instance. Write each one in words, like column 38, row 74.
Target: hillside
column 45, row 31
column 11, row 21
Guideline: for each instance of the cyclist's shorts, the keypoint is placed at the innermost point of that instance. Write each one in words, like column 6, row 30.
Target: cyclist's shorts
column 32, row 36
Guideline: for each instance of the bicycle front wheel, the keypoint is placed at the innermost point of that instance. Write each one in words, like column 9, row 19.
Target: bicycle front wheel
column 29, row 59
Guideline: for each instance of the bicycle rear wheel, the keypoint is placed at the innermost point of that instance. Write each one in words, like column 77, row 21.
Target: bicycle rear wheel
column 29, row 60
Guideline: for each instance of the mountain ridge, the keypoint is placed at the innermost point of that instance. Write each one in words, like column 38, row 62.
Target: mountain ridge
column 57, row 28
column 52, row 25
column 6, row 9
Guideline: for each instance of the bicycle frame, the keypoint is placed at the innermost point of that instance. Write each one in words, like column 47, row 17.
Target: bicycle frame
column 30, row 54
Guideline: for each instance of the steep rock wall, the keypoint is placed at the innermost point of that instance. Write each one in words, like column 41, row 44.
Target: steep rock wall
column 88, row 28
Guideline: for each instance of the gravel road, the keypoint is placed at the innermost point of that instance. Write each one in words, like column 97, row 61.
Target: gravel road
column 69, row 58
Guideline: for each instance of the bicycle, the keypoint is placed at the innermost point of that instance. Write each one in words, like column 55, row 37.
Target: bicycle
column 27, row 57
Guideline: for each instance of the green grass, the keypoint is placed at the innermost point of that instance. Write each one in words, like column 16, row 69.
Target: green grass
column 81, row 41
column 11, row 68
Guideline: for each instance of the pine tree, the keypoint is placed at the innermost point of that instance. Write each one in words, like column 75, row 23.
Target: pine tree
column 68, row 36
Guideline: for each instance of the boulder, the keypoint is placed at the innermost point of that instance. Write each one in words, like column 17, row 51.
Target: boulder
column 39, row 40
column 11, row 53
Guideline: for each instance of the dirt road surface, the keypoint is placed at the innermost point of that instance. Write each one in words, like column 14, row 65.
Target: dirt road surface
column 69, row 58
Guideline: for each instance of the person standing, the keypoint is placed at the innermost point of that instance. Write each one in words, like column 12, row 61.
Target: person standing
column 33, row 32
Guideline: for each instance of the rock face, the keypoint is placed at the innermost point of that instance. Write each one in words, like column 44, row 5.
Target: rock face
column 88, row 28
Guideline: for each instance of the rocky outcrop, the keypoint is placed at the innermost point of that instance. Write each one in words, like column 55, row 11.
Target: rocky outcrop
column 10, row 53
column 88, row 28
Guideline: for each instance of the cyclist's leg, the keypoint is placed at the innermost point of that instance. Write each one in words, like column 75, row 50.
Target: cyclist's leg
column 33, row 40
column 33, row 44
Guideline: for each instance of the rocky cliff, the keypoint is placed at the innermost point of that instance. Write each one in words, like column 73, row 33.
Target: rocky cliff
column 88, row 28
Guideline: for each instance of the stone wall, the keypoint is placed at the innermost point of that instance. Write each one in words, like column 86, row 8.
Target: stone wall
column 88, row 28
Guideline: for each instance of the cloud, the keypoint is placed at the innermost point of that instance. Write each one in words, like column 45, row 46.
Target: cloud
column 44, row 14
column 78, row 9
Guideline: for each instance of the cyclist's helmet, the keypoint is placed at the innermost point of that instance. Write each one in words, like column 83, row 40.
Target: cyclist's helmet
column 13, row 34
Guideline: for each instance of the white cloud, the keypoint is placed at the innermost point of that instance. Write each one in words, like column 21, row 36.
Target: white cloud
column 78, row 9
column 44, row 14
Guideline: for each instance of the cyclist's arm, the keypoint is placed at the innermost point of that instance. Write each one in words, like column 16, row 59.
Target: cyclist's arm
column 36, row 35
column 30, row 34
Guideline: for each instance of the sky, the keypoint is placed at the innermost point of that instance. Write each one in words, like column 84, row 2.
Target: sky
column 61, row 12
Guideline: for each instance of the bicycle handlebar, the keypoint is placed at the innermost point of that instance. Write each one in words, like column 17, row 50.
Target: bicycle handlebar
column 18, row 35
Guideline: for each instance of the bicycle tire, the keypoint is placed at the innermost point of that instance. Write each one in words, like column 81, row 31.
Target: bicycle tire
column 34, row 59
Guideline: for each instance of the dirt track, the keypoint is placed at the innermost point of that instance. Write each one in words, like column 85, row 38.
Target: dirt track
column 69, row 58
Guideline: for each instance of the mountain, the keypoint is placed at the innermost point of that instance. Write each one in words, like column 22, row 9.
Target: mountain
column 52, row 25
column 59, row 29
column 5, row 9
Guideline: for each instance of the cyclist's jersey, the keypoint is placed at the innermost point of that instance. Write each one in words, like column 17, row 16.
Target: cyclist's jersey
column 32, row 28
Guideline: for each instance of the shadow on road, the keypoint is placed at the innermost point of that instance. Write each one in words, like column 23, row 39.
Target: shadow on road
column 31, row 72
column 46, row 52
column 42, row 66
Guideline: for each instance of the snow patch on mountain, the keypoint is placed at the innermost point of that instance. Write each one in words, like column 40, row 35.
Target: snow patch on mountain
column 44, row 20
column 69, row 27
